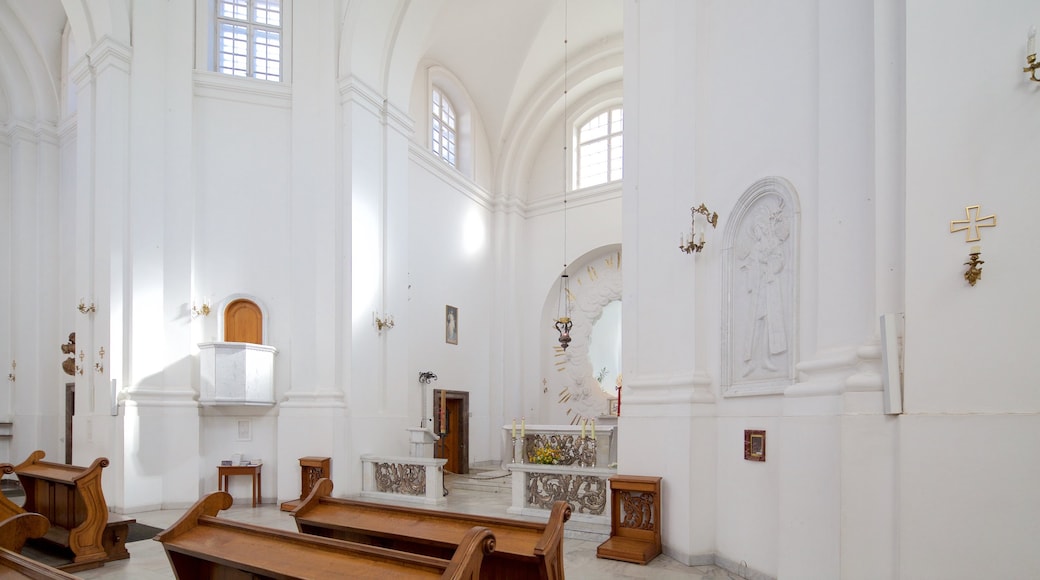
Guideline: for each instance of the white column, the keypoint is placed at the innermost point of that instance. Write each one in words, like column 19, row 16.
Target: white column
column 667, row 427
column 311, row 419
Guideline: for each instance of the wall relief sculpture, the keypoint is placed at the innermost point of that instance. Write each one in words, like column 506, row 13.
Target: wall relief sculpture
column 760, row 290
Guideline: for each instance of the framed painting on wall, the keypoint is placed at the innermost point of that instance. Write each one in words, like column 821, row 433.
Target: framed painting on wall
column 451, row 325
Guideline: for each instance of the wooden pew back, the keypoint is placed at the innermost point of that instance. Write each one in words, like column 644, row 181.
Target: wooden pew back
column 202, row 546
column 71, row 499
column 14, row 531
column 522, row 549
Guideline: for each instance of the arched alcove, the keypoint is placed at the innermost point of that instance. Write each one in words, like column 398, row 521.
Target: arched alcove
column 595, row 283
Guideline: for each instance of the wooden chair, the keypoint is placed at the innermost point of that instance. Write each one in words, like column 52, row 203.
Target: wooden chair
column 201, row 546
column 522, row 549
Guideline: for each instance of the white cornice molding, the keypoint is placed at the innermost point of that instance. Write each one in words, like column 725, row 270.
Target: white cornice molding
column 109, row 53
column 353, row 90
column 399, row 121
column 150, row 397
column 437, row 167
column 575, row 199
column 655, row 394
column 215, row 85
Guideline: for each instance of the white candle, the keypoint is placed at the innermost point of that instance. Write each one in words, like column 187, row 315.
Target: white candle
column 514, row 427
column 976, row 250
column 583, row 428
column 523, row 426
column 593, row 428
column 1031, row 44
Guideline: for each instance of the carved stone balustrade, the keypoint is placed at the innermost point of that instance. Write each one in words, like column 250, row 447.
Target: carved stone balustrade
column 586, row 489
column 418, row 479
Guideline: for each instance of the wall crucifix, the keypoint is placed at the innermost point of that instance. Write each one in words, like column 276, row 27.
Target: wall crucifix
column 972, row 222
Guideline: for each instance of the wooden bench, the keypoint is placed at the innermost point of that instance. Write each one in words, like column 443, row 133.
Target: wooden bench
column 202, row 546
column 14, row 532
column 71, row 499
column 522, row 549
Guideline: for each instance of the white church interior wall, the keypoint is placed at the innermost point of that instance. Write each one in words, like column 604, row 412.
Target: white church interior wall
column 450, row 264
column 970, row 400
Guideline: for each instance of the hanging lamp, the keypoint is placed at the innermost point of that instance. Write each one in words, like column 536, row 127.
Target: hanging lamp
column 563, row 323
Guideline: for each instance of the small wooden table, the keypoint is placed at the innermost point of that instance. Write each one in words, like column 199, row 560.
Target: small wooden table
column 225, row 471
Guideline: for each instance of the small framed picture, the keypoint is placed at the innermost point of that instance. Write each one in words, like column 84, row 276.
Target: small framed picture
column 245, row 430
column 754, row 445
column 451, row 325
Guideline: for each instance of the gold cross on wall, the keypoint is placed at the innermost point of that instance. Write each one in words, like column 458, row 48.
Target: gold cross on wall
column 972, row 223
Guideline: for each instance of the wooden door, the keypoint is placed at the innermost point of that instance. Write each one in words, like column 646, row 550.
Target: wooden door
column 70, row 411
column 243, row 322
column 453, row 427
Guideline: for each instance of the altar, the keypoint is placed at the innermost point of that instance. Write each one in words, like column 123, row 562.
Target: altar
column 573, row 463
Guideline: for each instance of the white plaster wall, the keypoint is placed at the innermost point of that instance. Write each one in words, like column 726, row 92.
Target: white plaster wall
column 968, row 442
column 241, row 205
column 450, row 263
column 218, row 437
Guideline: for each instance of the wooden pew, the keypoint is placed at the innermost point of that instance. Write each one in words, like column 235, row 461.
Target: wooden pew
column 8, row 509
column 522, row 549
column 202, row 546
column 14, row 531
column 70, row 497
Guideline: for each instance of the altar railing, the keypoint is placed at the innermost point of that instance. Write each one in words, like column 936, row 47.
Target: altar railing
column 586, row 489
column 419, row 479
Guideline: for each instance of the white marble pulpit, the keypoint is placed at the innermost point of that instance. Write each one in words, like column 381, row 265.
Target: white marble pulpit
column 420, row 441
column 236, row 373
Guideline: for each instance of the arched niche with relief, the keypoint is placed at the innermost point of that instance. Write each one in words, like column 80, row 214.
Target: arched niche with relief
column 240, row 369
column 592, row 362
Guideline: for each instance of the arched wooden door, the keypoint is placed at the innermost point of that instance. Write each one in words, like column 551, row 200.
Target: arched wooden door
column 243, row 322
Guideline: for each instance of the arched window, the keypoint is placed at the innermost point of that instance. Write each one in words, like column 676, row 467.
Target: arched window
column 443, row 128
column 600, row 148
column 249, row 38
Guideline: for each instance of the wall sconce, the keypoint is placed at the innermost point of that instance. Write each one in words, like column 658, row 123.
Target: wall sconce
column 426, row 377
column 974, row 272
column 203, row 310
column 98, row 366
column 10, row 375
column 79, row 369
column 1031, row 63
column 694, row 242
column 84, row 308
column 387, row 321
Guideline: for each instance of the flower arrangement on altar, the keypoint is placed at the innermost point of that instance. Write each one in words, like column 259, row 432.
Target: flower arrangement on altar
column 546, row 455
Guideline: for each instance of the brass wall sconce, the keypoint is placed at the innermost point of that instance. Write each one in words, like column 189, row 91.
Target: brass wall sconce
column 79, row 368
column 974, row 271
column 85, row 308
column 203, row 310
column 387, row 321
column 10, row 375
column 98, row 366
column 1031, row 63
column 694, row 242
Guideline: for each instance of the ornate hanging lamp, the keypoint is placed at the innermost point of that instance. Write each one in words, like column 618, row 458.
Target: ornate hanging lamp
column 563, row 323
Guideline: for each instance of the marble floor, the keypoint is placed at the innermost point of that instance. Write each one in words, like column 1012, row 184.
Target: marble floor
column 148, row 561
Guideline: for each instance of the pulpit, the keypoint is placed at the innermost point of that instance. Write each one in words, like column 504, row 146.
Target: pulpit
column 420, row 441
column 236, row 373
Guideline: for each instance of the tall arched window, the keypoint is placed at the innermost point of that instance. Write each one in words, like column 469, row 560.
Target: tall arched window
column 443, row 129
column 600, row 148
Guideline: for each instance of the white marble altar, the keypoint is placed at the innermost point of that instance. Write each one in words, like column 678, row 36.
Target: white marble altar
column 415, row 479
column 606, row 440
